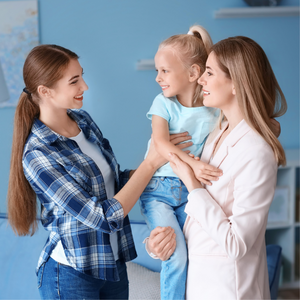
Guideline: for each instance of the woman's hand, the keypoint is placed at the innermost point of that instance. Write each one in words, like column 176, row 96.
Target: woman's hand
column 176, row 139
column 184, row 172
column 162, row 242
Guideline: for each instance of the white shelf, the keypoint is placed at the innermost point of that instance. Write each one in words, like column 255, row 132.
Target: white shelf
column 284, row 233
column 145, row 64
column 258, row 12
column 292, row 157
column 271, row 226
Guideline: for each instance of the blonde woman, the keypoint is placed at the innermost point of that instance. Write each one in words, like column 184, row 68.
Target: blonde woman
column 226, row 221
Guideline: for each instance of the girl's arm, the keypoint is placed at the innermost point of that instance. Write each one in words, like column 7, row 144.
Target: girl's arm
column 160, row 132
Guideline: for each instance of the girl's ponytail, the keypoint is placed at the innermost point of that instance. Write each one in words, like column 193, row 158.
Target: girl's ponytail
column 202, row 33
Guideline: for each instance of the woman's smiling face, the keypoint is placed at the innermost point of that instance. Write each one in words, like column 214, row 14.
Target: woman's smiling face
column 218, row 88
column 68, row 91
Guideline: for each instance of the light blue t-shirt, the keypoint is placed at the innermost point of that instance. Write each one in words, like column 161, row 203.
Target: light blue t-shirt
column 198, row 121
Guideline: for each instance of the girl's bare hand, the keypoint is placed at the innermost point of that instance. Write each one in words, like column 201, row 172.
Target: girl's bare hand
column 179, row 140
column 205, row 172
column 184, row 172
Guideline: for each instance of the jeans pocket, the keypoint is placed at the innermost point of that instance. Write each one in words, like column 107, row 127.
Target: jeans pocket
column 152, row 185
column 40, row 275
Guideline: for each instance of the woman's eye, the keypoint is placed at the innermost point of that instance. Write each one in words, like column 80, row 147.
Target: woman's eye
column 209, row 74
column 74, row 82
column 165, row 71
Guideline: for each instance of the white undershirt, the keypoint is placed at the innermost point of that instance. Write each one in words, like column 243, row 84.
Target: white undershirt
column 93, row 152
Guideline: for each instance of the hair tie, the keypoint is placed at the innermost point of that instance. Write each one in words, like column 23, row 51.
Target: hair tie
column 190, row 33
column 26, row 91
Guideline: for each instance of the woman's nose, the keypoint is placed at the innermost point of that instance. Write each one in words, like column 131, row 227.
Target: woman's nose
column 84, row 86
column 201, row 80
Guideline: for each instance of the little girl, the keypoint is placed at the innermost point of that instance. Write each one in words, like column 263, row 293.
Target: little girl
column 180, row 61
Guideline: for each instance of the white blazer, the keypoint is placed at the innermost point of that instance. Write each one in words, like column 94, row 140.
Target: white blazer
column 226, row 222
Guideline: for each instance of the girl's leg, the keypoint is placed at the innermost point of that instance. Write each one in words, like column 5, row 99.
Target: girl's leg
column 157, row 213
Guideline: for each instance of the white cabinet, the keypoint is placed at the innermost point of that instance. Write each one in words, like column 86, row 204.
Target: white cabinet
column 286, row 232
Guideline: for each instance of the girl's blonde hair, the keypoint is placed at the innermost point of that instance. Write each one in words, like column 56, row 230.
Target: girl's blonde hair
column 44, row 65
column 191, row 49
column 258, row 93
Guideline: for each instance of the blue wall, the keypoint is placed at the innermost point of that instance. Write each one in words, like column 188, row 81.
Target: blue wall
column 110, row 36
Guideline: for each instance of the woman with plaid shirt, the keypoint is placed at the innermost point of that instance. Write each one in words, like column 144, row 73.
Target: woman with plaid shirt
column 60, row 156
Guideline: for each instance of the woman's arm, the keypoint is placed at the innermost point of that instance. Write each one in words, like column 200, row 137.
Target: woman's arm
column 53, row 183
column 140, row 177
column 160, row 132
column 253, row 191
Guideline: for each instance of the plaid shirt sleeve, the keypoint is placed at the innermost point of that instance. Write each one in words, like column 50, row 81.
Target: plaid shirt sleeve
column 50, row 178
column 124, row 177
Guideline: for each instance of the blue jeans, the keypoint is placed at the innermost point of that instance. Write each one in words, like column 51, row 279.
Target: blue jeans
column 58, row 281
column 162, row 204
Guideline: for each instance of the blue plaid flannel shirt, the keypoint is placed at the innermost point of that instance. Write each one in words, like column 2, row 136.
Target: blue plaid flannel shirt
column 75, row 208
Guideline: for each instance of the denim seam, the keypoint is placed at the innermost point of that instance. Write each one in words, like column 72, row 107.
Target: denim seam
column 41, row 277
column 58, row 280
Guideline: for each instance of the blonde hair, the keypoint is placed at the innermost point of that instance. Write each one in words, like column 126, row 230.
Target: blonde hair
column 258, row 93
column 191, row 49
column 44, row 65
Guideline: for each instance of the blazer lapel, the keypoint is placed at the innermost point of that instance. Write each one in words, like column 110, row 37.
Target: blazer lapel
column 230, row 141
column 211, row 143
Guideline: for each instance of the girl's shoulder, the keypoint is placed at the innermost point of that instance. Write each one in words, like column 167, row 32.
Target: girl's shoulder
column 160, row 98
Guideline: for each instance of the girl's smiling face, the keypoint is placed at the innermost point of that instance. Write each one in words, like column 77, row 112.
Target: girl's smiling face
column 172, row 75
column 218, row 88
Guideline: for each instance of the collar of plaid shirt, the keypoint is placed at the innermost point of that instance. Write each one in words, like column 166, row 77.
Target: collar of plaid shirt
column 75, row 208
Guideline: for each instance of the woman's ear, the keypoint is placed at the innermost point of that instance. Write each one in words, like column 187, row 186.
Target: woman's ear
column 194, row 72
column 233, row 90
column 43, row 91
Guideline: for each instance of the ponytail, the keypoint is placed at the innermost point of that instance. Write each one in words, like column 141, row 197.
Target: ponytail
column 202, row 34
column 22, row 206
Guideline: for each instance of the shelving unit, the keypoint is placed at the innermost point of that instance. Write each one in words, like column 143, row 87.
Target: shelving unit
column 287, row 234
column 257, row 11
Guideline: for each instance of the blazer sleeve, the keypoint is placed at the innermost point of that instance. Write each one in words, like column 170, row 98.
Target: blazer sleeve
column 254, row 186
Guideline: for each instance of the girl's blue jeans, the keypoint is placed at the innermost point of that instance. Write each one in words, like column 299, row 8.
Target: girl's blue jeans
column 162, row 204
column 58, row 281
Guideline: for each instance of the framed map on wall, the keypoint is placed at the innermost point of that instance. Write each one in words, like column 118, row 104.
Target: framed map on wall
column 18, row 35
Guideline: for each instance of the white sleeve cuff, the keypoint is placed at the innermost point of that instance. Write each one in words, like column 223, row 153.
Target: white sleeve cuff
column 146, row 247
column 192, row 192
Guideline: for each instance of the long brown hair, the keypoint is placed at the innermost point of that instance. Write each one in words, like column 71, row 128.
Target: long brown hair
column 258, row 93
column 44, row 65
column 191, row 49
